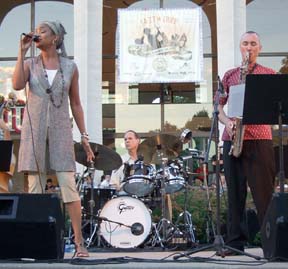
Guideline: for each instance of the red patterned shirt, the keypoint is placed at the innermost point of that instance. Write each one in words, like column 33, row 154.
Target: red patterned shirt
column 252, row 132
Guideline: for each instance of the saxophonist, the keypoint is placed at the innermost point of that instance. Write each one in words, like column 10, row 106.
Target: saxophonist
column 255, row 165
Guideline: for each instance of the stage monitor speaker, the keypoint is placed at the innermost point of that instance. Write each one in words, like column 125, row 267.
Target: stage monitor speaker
column 31, row 226
column 274, row 231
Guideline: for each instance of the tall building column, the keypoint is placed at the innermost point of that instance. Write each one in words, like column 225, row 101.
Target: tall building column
column 88, row 20
column 231, row 24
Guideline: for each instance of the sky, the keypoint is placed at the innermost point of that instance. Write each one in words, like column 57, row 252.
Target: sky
column 18, row 21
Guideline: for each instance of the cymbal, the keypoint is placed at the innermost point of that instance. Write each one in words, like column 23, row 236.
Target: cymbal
column 105, row 158
column 169, row 145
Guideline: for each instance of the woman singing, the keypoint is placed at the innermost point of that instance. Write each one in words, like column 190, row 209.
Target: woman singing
column 46, row 136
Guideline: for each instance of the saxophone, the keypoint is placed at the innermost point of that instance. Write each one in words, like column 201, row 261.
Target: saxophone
column 238, row 127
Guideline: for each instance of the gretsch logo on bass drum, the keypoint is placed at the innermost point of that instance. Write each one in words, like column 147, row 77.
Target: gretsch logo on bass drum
column 123, row 207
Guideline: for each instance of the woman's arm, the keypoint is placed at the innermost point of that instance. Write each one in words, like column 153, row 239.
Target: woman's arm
column 21, row 72
column 78, row 114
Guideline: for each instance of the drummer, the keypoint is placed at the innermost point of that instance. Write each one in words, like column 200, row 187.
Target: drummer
column 132, row 142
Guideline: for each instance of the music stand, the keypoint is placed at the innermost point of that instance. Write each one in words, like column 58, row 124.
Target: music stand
column 5, row 156
column 266, row 102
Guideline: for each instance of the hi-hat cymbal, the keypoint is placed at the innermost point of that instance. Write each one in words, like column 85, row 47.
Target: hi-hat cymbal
column 168, row 145
column 105, row 158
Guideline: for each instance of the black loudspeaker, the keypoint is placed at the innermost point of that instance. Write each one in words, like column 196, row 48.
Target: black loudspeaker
column 274, row 231
column 31, row 226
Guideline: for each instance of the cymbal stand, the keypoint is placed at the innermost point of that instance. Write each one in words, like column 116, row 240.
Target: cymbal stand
column 209, row 221
column 92, row 226
column 187, row 221
column 80, row 181
column 164, row 222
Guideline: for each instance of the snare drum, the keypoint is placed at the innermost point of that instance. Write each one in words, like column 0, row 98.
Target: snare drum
column 128, row 222
column 139, row 179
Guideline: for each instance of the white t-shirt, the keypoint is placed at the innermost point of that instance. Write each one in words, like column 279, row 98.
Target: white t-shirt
column 51, row 75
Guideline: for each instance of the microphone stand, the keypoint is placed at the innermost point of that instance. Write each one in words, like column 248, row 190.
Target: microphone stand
column 163, row 222
column 91, row 172
column 218, row 243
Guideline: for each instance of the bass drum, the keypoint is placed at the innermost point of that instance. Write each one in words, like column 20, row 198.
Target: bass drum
column 128, row 222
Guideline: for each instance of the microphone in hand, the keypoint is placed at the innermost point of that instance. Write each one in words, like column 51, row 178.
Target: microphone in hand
column 35, row 38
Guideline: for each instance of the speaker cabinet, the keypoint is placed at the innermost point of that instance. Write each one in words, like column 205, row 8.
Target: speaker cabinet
column 274, row 231
column 31, row 226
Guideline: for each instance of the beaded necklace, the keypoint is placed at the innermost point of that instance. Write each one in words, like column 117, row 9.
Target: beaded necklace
column 49, row 90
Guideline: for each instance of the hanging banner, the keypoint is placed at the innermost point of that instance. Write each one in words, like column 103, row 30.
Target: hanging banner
column 160, row 45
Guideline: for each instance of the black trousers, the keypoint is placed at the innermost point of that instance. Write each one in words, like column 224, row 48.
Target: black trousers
column 255, row 166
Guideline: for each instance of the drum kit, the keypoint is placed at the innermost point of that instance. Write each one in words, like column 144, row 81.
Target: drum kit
column 111, row 219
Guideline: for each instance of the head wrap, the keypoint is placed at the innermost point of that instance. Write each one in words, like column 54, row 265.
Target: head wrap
column 58, row 30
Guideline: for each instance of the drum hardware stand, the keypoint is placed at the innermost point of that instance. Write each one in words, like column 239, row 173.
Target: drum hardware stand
column 79, row 181
column 209, row 223
column 157, row 238
column 187, row 220
column 79, row 187
column 168, row 231
column 93, row 226
column 93, row 230
column 218, row 243
column 163, row 223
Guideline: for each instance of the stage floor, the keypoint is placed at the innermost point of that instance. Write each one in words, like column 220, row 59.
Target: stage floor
column 150, row 260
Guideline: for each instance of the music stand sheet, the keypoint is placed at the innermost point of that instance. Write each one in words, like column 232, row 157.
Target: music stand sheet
column 236, row 101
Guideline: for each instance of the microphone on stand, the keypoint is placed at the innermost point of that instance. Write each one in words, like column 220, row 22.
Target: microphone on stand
column 91, row 202
column 221, row 88
column 137, row 228
column 35, row 38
